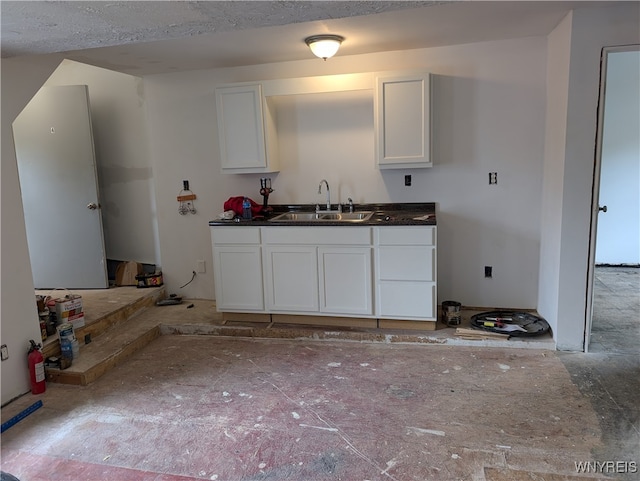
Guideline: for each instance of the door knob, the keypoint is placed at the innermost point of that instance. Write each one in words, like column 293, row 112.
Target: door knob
column 92, row 206
column 603, row 208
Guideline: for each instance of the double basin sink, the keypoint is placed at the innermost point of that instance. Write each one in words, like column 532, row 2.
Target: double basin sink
column 361, row 216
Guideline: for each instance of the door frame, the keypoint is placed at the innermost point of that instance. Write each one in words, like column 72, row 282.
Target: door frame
column 595, row 197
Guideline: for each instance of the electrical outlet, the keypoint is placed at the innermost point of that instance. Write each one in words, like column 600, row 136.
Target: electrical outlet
column 407, row 180
column 4, row 352
column 201, row 267
column 493, row 178
column 488, row 271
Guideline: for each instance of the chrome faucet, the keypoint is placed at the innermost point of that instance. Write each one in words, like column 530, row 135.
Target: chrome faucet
column 328, row 193
column 350, row 200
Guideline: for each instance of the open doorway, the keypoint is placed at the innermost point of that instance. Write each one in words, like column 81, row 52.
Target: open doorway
column 615, row 244
column 124, row 173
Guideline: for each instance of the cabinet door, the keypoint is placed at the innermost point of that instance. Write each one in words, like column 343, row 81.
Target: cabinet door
column 238, row 278
column 291, row 276
column 403, row 121
column 345, row 280
column 241, row 130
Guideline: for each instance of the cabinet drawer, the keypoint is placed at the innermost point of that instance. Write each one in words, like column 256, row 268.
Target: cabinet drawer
column 235, row 235
column 405, row 300
column 406, row 236
column 406, row 263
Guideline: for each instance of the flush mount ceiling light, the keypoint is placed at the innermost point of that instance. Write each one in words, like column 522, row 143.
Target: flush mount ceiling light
column 324, row 46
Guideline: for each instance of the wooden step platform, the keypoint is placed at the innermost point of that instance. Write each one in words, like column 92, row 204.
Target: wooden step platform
column 114, row 328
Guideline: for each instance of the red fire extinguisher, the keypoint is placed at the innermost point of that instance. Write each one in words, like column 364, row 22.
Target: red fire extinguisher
column 36, row 369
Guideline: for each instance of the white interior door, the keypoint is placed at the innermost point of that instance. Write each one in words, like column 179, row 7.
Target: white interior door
column 58, row 179
column 614, row 238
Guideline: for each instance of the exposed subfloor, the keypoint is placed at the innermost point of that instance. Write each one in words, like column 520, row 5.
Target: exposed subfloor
column 236, row 409
column 222, row 408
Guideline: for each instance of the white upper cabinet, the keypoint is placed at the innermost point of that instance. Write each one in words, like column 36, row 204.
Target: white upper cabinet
column 403, row 121
column 247, row 129
column 244, row 121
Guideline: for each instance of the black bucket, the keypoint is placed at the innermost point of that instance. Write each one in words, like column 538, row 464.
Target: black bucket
column 451, row 313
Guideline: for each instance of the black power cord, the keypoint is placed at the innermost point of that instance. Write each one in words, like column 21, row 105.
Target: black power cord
column 192, row 278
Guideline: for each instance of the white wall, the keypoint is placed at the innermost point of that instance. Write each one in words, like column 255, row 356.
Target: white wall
column 558, row 60
column 489, row 116
column 122, row 158
column 591, row 30
column 618, row 239
column 19, row 314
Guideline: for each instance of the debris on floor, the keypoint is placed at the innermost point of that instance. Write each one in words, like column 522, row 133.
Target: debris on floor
column 172, row 300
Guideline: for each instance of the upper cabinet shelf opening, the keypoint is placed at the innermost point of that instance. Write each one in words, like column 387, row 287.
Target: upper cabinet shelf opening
column 247, row 127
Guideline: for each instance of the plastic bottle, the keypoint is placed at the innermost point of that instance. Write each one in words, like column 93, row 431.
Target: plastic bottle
column 246, row 209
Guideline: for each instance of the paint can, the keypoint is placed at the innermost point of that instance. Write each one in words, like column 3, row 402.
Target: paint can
column 451, row 313
column 65, row 332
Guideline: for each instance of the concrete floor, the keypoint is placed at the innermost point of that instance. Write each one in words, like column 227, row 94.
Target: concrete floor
column 616, row 310
column 609, row 374
column 217, row 408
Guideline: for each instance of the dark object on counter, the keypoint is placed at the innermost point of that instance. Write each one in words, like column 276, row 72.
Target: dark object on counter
column 516, row 324
column 265, row 190
column 149, row 280
column 235, row 204
column 451, row 313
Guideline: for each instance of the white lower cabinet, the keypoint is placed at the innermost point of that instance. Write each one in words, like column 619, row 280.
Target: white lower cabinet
column 381, row 272
column 237, row 269
column 291, row 275
column 318, row 270
column 406, row 272
column 345, row 280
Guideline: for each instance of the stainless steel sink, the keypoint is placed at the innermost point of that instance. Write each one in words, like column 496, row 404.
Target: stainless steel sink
column 297, row 217
column 348, row 216
column 323, row 217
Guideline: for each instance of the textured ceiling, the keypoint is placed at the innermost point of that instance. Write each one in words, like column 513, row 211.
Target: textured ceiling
column 36, row 27
column 149, row 37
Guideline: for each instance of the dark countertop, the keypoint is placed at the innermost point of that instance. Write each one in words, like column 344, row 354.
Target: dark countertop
column 384, row 214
